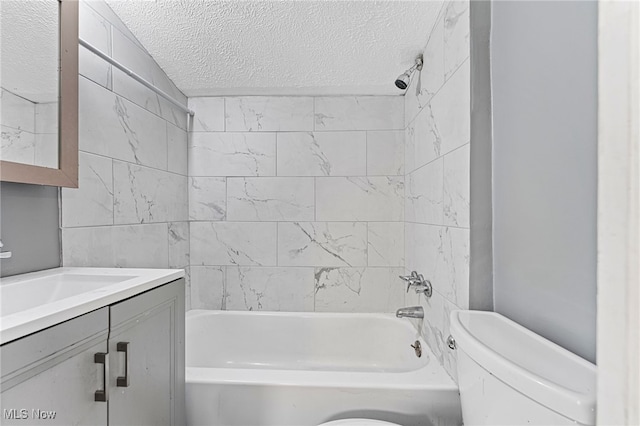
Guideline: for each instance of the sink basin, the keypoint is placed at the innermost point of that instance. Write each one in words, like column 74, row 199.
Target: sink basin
column 23, row 295
column 32, row 302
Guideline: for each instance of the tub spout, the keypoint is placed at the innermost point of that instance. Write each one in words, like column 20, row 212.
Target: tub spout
column 410, row 312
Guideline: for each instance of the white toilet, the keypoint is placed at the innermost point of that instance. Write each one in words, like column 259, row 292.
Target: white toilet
column 509, row 375
column 358, row 422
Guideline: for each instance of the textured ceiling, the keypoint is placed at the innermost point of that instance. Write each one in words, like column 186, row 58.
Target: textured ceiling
column 29, row 39
column 281, row 47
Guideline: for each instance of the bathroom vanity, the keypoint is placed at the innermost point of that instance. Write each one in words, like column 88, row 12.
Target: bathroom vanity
column 93, row 346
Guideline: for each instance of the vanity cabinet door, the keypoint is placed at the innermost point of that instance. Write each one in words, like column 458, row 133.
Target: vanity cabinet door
column 146, row 353
column 50, row 377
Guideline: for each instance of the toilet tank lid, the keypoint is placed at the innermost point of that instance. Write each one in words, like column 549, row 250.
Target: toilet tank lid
column 531, row 364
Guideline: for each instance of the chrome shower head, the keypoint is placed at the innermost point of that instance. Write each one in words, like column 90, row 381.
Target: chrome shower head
column 403, row 80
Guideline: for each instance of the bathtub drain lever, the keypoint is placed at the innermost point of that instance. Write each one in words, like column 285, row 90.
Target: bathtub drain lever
column 417, row 347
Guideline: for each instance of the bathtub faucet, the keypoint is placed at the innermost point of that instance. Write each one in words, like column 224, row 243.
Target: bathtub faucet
column 410, row 312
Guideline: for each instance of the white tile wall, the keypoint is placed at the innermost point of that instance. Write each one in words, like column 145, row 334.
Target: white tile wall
column 232, row 154
column 28, row 131
column 270, row 198
column 46, row 150
column 92, row 203
column 375, row 198
column 280, row 194
column 114, row 127
column 264, row 114
column 178, row 244
column 423, row 197
column 452, row 102
column 456, row 187
column 433, row 74
column 96, row 30
column 385, row 153
column 207, row 198
column 322, row 244
column 46, row 118
column 435, row 330
column 359, row 113
column 456, row 35
column 17, row 112
column 207, row 287
column 295, row 203
column 138, row 60
column 233, row 243
column 210, row 117
column 385, row 243
column 126, row 246
column 269, row 289
column 358, row 289
column 140, row 246
column 17, row 145
column 437, row 142
column 131, row 207
column 441, row 254
column 423, row 141
column 322, row 154
column 146, row 195
column 176, row 150
column 425, row 85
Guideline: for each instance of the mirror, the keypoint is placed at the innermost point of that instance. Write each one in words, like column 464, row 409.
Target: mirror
column 39, row 92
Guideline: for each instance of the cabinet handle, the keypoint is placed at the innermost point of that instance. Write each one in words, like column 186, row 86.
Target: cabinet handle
column 123, row 381
column 102, row 358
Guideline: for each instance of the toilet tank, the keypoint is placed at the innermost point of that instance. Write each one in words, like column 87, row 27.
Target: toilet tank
column 509, row 375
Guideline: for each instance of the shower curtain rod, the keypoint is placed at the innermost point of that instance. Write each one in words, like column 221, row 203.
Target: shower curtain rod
column 136, row 77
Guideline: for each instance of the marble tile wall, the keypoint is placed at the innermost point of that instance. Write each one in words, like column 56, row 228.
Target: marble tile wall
column 437, row 142
column 17, row 122
column 279, row 203
column 131, row 209
column 297, row 203
column 28, row 131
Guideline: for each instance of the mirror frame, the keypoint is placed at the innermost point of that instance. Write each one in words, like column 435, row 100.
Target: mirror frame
column 66, row 175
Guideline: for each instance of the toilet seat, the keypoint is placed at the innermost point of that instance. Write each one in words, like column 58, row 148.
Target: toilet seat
column 358, row 422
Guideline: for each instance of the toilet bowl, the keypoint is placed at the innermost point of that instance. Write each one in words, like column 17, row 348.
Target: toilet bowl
column 358, row 422
column 509, row 375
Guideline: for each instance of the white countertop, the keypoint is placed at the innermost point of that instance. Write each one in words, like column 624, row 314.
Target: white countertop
column 34, row 301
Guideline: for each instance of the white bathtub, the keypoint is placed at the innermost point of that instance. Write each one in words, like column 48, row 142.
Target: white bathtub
column 275, row 368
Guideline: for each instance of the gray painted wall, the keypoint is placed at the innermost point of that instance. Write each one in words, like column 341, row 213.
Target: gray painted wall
column 544, row 63
column 481, row 238
column 29, row 228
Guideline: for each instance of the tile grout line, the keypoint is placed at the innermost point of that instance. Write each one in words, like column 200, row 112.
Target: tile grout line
column 168, row 245
column 132, row 102
column 256, row 222
column 225, row 274
column 314, row 114
column 438, row 158
column 366, row 153
column 443, row 186
column 224, row 114
column 315, row 199
column 367, row 245
column 430, row 99
column 276, row 154
column 260, row 132
column 113, row 196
